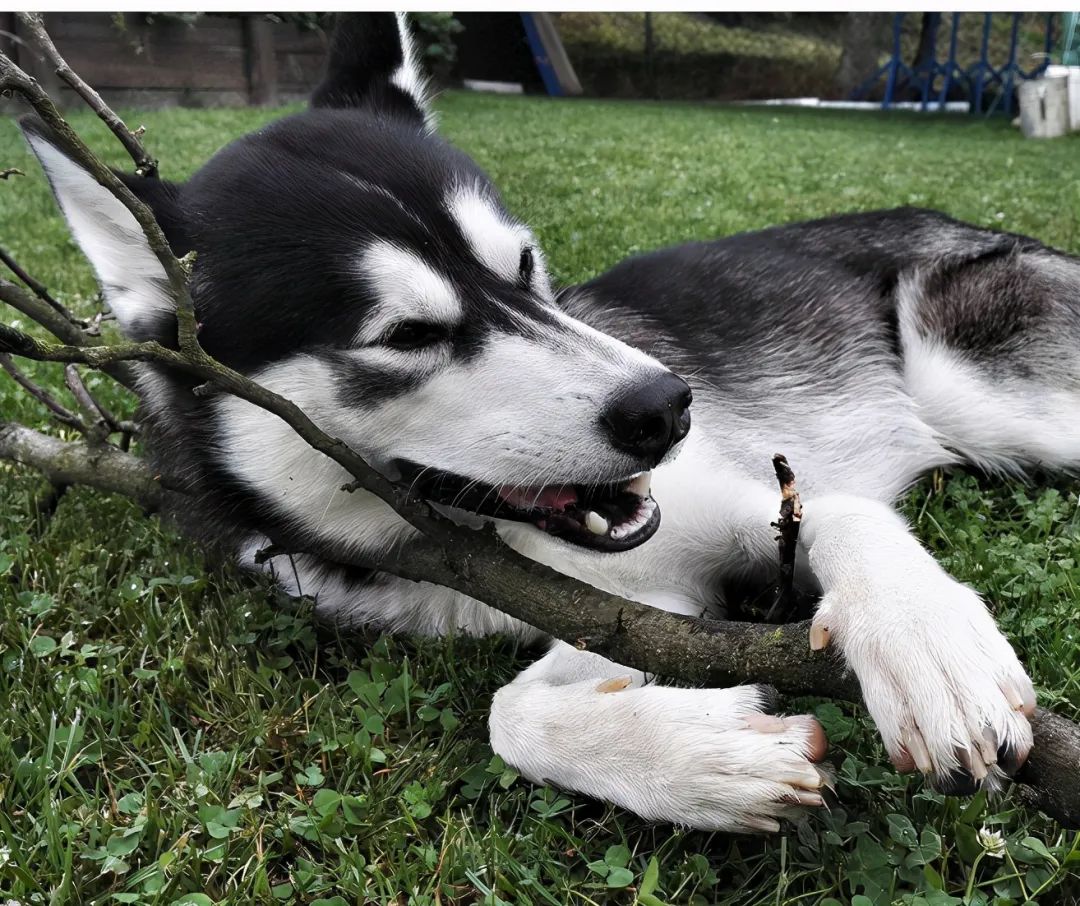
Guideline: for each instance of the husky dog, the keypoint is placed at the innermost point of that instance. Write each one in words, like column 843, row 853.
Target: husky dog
column 351, row 260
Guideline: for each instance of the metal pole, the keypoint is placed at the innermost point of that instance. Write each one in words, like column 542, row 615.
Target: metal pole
column 894, row 63
column 650, row 57
column 1011, row 67
column 981, row 66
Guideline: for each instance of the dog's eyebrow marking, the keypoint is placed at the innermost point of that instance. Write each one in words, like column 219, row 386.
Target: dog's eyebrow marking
column 495, row 241
column 406, row 288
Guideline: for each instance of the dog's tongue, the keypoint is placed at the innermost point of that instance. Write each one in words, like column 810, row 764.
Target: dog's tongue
column 555, row 497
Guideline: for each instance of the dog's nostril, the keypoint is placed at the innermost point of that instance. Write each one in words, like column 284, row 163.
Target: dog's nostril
column 651, row 418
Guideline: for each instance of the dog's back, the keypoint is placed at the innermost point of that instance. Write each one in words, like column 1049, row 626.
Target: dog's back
column 891, row 341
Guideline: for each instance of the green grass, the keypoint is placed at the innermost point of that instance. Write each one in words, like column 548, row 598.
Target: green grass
column 171, row 729
column 690, row 33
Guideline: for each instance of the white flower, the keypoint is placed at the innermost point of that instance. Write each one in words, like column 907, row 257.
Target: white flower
column 5, row 855
column 992, row 842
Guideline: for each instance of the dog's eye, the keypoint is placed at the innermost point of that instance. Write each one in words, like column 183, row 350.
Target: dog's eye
column 525, row 267
column 415, row 335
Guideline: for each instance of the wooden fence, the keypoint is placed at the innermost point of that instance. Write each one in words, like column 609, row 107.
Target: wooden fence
column 218, row 61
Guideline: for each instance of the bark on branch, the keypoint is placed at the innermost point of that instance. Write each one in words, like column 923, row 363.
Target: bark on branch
column 476, row 563
column 101, row 466
column 145, row 165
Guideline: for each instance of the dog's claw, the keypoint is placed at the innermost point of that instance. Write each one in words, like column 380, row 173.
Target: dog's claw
column 615, row 684
column 988, row 746
column 916, row 747
column 810, row 799
column 971, row 759
column 765, row 723
column 756, row 823
column 808, row 778
column 827, row 780
column 819, row 637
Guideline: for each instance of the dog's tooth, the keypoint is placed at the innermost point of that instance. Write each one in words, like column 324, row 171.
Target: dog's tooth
column 642, row 485
column 596, row 523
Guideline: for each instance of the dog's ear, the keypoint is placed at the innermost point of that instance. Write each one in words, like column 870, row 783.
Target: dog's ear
column 373, row 64
column 131, row 277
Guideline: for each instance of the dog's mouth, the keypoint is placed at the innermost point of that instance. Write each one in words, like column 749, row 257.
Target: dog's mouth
column 614, row 516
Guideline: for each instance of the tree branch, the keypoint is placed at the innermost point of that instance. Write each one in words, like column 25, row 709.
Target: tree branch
column 39, row 290
column 104, row 422
column 60, row 327
column 101, row 466
column 145, row 165
column 12, row 78
column 50, row 402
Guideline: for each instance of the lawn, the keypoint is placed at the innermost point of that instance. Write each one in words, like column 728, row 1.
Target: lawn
column 173, row 732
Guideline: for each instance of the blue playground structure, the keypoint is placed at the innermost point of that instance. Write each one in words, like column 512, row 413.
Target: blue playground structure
column 988, row 88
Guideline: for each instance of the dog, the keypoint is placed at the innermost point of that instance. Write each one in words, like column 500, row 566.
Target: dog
column 351, row 260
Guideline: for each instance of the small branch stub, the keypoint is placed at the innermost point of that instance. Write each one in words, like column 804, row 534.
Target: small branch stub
column 787, row 601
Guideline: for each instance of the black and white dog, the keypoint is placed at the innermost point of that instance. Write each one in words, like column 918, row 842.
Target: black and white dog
column 351, row 260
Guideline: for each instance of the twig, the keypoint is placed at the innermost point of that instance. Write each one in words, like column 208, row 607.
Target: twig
column 145, row 165
column 50, row 402
column 93, row 407
column 11, row 171
column 786, row 602
column 39, row 290
column 45, row 316
column 12, row 78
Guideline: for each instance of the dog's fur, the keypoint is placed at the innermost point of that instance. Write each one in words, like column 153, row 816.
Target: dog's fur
column 869, row 348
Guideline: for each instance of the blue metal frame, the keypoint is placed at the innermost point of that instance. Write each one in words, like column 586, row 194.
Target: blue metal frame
column 978, row 77
column 547, row 72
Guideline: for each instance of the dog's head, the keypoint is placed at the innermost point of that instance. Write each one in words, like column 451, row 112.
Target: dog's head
column 352, row 260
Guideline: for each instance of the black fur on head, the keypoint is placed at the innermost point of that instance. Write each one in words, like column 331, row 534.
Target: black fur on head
column 279, row 217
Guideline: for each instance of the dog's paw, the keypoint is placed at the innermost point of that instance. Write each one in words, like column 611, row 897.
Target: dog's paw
column 709, row 759
column 732, row 767
column 943, row 685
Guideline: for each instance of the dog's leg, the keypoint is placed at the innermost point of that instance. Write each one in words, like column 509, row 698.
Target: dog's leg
column 707, row 758
column 942, row 683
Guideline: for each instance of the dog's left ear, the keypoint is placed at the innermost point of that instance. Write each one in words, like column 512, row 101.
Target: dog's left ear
column 373, row 64
column 131, row 277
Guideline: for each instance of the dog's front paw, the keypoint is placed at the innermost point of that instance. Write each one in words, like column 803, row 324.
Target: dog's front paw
column 729, row 765
column 943, row 685
column 710, row 759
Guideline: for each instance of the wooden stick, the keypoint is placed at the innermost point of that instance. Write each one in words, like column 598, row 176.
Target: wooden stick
column 786, row 603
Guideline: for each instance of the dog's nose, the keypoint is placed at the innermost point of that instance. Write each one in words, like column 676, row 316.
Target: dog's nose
column 650, row 419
